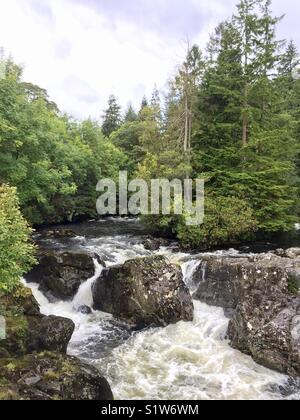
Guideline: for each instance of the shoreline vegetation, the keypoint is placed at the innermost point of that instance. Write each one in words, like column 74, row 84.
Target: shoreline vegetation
column 230, row 116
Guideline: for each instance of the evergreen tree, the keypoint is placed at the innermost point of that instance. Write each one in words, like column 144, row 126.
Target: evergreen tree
column 144, row 104
column 130, row 115
column 112, row 117
column 289, row 61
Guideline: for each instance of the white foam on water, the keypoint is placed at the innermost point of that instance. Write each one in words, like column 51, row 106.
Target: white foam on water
column 191, row 361
column 84, row 295
column 189, row 268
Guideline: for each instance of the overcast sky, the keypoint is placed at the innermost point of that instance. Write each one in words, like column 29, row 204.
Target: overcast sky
column 84, row 50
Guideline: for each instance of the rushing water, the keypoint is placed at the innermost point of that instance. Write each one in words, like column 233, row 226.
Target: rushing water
column 189, row 361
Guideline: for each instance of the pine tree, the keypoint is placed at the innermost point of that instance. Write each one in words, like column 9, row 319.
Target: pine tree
column 112, row 117
column 130, row 115
column 289, row 61
column 144, row 104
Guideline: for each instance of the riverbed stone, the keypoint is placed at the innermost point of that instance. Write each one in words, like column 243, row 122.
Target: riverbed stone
column 145, row 292
column 60, row 274
column 51, row 376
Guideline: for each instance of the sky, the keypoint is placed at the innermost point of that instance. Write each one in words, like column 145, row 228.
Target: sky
column 82, row 51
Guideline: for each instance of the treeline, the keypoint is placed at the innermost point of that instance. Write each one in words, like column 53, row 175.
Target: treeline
column 231, row 116
column 54, row 161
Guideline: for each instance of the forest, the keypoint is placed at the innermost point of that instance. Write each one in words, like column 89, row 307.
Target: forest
column 231, row 116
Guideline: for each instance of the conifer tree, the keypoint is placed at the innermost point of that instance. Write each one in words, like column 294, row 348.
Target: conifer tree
column 112, row 117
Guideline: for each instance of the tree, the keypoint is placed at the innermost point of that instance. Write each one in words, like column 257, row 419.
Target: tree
column 182, row 103
column 112, row 117
column 130, row 115
column 144, row 104
column 16, row 250
column 258, row 48
column 155, row 105
column 54, row 161
column 289, row 61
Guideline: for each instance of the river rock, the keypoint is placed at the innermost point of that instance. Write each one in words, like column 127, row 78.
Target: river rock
column 60, row 274
column 269, row 330
column 51, row 376
column 146, row 291
column 58, row 233
column 154, row 244
column 33, row 360
column 221, row 281
column 27, row 330
column 83, row 309
column 263, row 291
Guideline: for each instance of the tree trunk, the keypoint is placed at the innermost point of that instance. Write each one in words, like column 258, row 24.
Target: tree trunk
column 245, row 128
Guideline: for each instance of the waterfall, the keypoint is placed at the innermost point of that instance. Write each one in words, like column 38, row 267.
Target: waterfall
column 84, row 295
column 189, row 268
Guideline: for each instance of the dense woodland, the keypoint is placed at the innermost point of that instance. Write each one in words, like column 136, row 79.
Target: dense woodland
column 231, row 116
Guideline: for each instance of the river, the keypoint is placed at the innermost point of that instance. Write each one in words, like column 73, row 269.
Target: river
column 189, row 361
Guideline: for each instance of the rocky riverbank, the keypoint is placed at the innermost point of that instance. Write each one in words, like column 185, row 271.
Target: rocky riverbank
column 262, row 292
column 142, row 288
column 33, row 360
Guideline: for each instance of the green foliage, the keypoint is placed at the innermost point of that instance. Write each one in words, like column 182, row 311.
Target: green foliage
column 227, row 220
column 231, row 117
column 54, row 162
column 16, row 250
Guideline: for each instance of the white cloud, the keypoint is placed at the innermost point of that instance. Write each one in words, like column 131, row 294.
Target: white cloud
column 82, row 54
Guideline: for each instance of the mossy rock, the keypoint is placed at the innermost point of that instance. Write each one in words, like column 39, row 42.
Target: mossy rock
column 19, row 302
column 27, row 330
column 51, row 376
column 145, row 292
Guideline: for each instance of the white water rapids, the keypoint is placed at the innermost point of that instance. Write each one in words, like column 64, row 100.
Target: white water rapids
column 189, row 361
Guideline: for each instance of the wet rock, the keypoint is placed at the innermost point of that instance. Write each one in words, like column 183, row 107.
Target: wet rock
column 262, row 292
column 154, row 244
column 27, row 330
column 51, row 376
column 221, row 281
column 33, row 361
column 280, row 252
column 84, row 309
column 50, row 333
column 146, row 291
column 60, row 274
column 58, row 233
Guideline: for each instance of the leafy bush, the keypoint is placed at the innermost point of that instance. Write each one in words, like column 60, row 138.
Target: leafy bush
column 16, row 251
column 227, row 220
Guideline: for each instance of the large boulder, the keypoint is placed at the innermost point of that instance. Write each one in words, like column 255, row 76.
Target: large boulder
column 27, row 330
column 33, row 360
column 220, row 281
column 60, row 274
column 263, row 291
column 266, row 323
column 51, row 376
column 146, row 291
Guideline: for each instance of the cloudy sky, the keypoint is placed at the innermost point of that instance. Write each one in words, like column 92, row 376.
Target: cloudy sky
column 84, row 50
